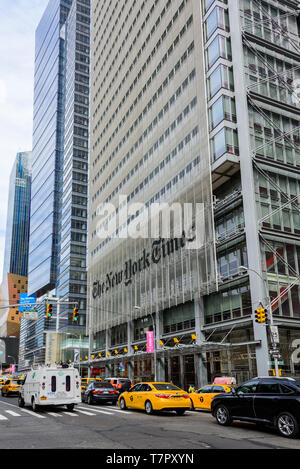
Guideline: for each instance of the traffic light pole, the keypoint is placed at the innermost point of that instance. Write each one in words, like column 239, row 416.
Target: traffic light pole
column 274, row 351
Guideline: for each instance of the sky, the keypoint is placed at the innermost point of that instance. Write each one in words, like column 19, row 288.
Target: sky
column 18, row 22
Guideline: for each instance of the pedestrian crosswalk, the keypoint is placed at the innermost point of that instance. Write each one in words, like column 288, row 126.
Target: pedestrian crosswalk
column 81, row 410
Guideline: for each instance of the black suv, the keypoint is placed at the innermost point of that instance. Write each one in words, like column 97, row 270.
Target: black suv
column 265, row 401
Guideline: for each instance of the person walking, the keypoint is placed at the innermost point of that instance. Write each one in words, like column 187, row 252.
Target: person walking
column 191, row 388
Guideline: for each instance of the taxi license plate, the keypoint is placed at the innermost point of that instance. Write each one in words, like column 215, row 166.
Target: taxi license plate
column 177, row 397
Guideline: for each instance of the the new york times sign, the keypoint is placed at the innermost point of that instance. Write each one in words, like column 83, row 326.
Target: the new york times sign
column 160, row 249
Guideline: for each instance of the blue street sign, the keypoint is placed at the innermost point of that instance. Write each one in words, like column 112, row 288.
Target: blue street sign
column 25, row 299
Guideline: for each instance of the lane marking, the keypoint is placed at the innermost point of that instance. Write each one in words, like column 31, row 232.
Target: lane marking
column 98, row 410
column 111, row 409
column 84, row 412
column 3, row 418
column 54, row 414
column 11, row 412
column 121, row 411
column 30, row 412
column 71, row 414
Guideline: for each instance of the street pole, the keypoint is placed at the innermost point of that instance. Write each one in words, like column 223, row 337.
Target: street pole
column 57, row 314
column 274, row 348
column 154, row 349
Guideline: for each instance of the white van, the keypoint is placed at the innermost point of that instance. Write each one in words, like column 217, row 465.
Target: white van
column 51, row 385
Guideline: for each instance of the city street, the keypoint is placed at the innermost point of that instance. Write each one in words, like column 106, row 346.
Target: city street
column 107, row 427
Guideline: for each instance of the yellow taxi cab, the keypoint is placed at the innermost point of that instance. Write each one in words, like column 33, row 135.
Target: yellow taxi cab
column 2, row 381
column 202, row 398
column 86, row 381
column 155, row 396
column 11, row 386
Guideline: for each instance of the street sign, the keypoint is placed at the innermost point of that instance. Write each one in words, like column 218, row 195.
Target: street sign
column 25, row 299
column 279, row 363
column 30, row 315
column 274, row 334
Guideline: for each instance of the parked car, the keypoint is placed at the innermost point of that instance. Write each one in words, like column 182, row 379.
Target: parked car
column 202, row 398
column 263, row 400
column 100, row 391
column 155, row 396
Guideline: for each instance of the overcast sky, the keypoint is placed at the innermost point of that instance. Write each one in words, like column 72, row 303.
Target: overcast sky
column 18, row 22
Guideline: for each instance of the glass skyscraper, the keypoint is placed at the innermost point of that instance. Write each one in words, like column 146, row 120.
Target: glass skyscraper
column 48, row 128
column 18, row 213
column 57, row 259
column 72, row 267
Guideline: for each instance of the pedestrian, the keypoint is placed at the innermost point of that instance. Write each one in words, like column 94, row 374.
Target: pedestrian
column 191, row 388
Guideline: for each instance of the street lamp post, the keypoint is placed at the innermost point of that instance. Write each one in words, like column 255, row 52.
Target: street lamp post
column 243, row 268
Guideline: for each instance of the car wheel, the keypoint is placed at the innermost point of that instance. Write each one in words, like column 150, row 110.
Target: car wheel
column 148, row 408
column 192, row 405
column 34, row 405
column 180, row 411
column 70, row 406
column 21, row 402
column 123, row 404
column 90, row 400
column 287, row 425
column 222, row 416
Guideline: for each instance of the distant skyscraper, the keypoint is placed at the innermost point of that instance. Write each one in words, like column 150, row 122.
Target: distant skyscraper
column 48, row 127
column 16, row 244
column 18, row 213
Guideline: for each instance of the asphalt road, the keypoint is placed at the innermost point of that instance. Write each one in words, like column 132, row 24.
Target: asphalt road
column 107, row 427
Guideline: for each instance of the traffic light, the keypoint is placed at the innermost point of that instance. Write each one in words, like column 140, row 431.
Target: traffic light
column 49, row 311
column 261, row 315
column 75, row 314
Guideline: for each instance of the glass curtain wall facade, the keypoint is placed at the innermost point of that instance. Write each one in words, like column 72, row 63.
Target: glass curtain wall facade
column 48, row 133
column 259, row 73
column 18, row 216
column 72, row 276
column 47, row 164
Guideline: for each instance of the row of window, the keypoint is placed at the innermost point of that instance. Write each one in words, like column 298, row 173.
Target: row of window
column 137, row 79
column 176, row 152
column 154, row 98
column 148, row 132
column 171, row 185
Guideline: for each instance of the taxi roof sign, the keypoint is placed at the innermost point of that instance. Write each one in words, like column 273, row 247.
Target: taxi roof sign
column 224, row 380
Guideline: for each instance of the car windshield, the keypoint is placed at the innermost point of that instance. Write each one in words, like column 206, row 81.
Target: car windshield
column 166, row 387
column 17, row 381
